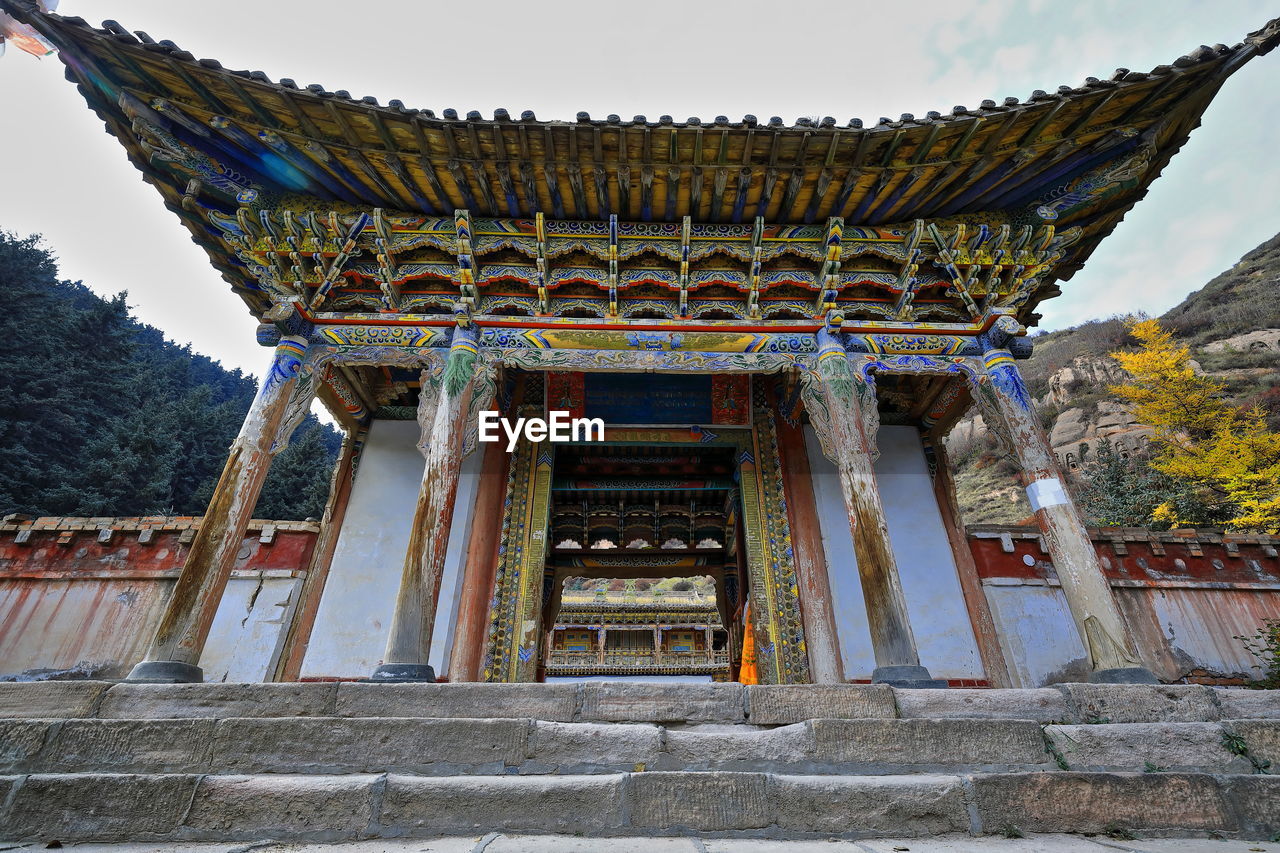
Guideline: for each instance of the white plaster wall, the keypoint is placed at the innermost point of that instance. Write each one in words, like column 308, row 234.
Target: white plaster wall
column 842, row 567
column 350, row 632
column 935, row 602
column 355, row 610
column 249, row 629
column 1041, row 644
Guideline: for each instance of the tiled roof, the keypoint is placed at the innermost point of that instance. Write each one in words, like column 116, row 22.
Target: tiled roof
column 996, row 157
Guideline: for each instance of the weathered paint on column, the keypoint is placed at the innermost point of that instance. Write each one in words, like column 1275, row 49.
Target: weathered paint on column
column 409, row 641
column 299, row 633
column 466, row 660
column 175, row 650
column 849, row 420
column 1083, row 584
column 816, row 607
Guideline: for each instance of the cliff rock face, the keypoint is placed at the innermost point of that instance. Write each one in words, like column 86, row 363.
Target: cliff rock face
column 1107, row 419
column 1262, row 340
column 1084, row 375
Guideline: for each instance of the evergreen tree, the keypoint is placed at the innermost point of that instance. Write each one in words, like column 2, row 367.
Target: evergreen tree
column 1126, row 492
column 297, row 487
column 100, row 415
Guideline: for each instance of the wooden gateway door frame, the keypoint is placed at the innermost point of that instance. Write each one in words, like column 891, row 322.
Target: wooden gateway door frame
column 516, row 624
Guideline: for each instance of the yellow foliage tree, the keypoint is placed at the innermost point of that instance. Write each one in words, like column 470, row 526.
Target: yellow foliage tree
column 1228, row 455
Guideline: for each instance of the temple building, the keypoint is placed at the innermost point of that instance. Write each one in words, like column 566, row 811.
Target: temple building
column 775, row 324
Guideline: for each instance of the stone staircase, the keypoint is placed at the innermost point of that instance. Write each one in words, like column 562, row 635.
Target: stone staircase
column 92, row 761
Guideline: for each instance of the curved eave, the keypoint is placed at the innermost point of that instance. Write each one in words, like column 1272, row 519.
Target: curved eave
column 996, row 158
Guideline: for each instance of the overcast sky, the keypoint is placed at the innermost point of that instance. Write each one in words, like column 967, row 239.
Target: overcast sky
column 62, row 176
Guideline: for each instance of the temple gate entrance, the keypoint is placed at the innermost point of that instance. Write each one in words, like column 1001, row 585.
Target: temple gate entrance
column 651, row 500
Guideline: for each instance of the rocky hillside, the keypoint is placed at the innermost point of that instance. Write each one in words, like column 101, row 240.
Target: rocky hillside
column 1232, row 325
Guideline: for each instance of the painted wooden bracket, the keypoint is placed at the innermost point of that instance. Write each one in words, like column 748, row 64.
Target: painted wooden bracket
column 829, row 275
column 540, row 229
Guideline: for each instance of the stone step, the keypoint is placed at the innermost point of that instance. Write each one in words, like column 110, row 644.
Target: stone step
column 189, row 807
column 458, row 746
column 633, row 702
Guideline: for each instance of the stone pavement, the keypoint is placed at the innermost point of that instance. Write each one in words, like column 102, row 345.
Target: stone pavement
column 498, row 843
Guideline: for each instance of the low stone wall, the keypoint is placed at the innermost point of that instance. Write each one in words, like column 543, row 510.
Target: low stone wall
column 1186, row 595
column 86, row 593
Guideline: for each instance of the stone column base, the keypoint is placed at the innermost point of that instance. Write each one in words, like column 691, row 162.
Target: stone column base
column 1124, row 675
column 165, row 672
column 916, row 677
column 400, row 673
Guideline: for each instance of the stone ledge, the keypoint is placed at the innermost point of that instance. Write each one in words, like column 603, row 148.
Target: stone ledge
column 475, row 746
column 1099, row 802
column 157, row 701
column 21, row 742
column 1193, row 747
column 460, row 746
column 312, row 808
column 50, row 699
column 369, row 745
column 643, row 703
column 930, row 743
column 773, row 704
column 868, row 805
column 1243, row 704
column 749, row 749
column 120, row 807
column 97, row 807
column 1044, row 704
column 757, row 705
column 1262, row 737
column 1121, row 703
column 1256, row 803
column 413, row 805
column 127, row 746
column 703, row 802
column 577, row 748
column 554, row 702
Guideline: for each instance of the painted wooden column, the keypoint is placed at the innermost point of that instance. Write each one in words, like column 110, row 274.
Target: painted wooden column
column 600, row 643
column 817, row 607
column 441, row 411
column 466, row 662
column 842, row 408
column 1088, row 593
column 287, row 387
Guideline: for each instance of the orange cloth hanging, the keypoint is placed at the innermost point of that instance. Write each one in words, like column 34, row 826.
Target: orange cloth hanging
column 747, row 672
